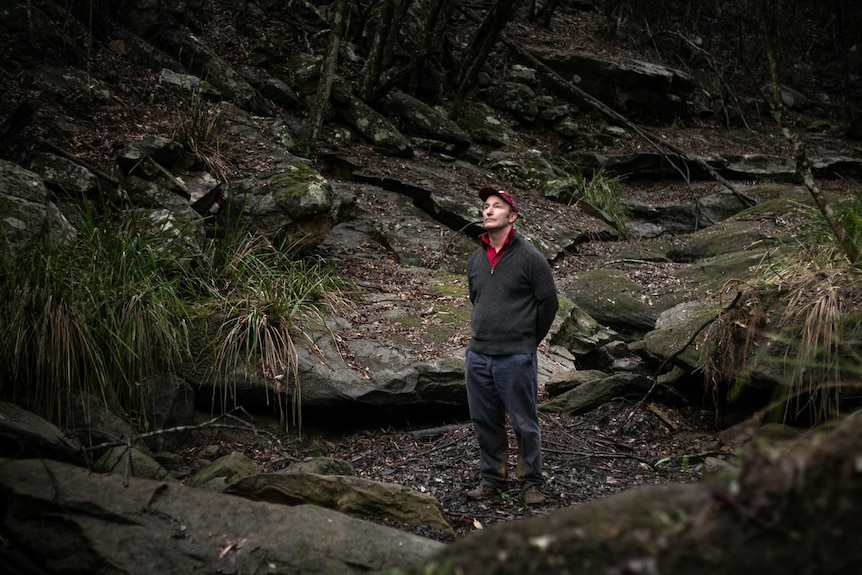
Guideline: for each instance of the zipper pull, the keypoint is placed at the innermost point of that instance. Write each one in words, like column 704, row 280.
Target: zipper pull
column 492, row 270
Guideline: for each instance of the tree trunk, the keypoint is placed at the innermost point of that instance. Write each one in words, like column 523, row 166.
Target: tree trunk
column 841, row 41
column 374, row 64
column 327, row 74
column 433, row 36
column 800, row 153
column 477, row 51
column 392, row 13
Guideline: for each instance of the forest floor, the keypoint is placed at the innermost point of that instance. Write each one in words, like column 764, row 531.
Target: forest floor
column 621, row 445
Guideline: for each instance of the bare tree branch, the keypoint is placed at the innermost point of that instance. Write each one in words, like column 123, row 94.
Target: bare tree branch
column 800, row 155
column 214, row 423
column 327, row 74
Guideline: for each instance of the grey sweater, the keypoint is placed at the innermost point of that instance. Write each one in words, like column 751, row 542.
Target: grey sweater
column 514, row 304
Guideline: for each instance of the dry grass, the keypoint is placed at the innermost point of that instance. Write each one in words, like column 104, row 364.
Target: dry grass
column 102, row 315
column 819, row 300
column 109, row 313
column 266, row 300
column 823, row 311
column 729, row 340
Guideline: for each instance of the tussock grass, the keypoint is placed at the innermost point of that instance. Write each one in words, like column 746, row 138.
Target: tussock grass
column 101, row 316
column 605, row 193
column 107, row 314
column 201, row 130
column 819, row 298
column 265, row 299
column 821, row 314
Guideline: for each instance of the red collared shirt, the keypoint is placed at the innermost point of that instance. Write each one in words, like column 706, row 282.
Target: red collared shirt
column 493, row 254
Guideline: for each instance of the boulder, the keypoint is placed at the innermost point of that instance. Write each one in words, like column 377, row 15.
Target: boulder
column 149, row 157
column 24, row 434
column 484, row 125
column 576, row 331
column 686, row 214
column 639, row 89
column 424, row 119
column 595, row 392
column 65, row 519
column 293, row 207
column 613, row 300
column 568, row 380
column 202, row 61
column 515, row 97
column 130, row 461
column 674, row 331
column 393, row 504
column 373, row 126
column 28, row 214
column 65, row 176
column 224, row 472
column 69, row 82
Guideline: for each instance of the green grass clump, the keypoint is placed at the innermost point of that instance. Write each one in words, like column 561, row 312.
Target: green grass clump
column 201, row 131
column 262, row 299
column 101, row 315
column 121, row 305
column 604, row 192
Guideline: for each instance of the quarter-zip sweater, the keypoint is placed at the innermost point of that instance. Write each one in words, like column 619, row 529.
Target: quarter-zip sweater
column 513, row 307
column 494, row 255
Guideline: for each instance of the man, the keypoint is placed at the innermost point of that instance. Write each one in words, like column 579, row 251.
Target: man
column 514, row 303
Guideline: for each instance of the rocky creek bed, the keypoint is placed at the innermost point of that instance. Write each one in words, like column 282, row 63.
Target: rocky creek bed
column 589, row 456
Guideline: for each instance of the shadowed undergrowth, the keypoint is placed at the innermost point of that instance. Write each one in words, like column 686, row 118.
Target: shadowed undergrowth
column 808, row 306
column 107, row 313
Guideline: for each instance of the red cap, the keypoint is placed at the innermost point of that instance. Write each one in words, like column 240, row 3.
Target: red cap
column 507, row 197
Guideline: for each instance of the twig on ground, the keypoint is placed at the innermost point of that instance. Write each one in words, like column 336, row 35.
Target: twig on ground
column 242, row 425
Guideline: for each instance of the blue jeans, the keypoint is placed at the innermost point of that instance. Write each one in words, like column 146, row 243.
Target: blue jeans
column 497, row 385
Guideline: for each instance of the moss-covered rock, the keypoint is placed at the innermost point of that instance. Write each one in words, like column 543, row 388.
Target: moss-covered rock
column 293, row 207
column 614, row 300
column 300, row 191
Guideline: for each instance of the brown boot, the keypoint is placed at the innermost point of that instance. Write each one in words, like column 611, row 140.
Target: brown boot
column 483, row 492
column 533, row 495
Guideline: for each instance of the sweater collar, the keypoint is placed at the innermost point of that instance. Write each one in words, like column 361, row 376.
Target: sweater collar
column 494, row 256
column 508, row 241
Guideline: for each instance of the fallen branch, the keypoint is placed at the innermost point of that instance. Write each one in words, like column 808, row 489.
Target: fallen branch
column 587, row 455
column 664, row 416
column 662, row 146
column 72, row 158
column 129, row 442
column 432, row 432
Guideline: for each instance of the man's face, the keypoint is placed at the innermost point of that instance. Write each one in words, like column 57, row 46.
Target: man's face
column 497, row 214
